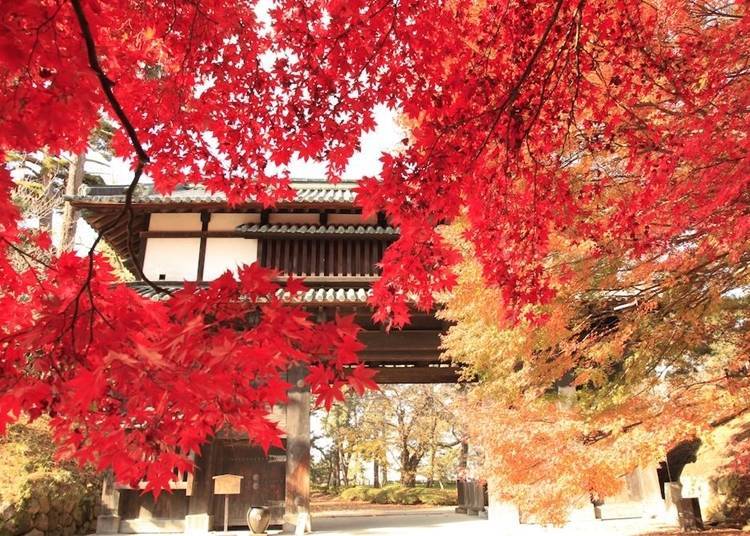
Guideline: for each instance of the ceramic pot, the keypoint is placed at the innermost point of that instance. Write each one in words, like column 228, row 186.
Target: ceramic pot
column 258, row 518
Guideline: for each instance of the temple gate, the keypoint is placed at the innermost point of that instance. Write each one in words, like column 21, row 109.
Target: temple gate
column 320, row 235
column 192, row 235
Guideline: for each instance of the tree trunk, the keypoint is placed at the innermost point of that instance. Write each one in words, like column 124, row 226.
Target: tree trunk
column 329, row 479
column 404, row 463
column 344, row 469
column 336, row 469
column 409, row 465
column 70, row 214
column 431, row 476
column 409, row 475
column 375, row 479
column 384, row 466
column 45, row 216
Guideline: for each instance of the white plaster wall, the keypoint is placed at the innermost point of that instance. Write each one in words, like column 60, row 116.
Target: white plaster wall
column 294, row 218
column 352, row 219
column 230, row 221
column 175, row 222
column 174, row 258
column 224, row 254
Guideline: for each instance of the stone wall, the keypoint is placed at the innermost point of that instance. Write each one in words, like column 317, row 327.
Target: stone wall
column 723, row 491
column 59, row 505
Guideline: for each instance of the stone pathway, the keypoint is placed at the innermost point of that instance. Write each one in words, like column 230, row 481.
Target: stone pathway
column 443, row 522
column 435, row 523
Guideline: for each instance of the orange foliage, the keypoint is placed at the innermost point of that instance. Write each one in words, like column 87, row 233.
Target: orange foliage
column 631, row 359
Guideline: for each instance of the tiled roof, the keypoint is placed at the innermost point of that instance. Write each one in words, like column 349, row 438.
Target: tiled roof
column 306, row 192
column 312, row 296
column 331, row 295
column 359, row 230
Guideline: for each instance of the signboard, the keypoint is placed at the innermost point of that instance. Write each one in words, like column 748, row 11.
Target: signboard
column 227, row 484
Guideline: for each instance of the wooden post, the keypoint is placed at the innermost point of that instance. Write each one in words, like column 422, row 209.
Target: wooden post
column 462, row 507
column 297, row 500
column 199, row 519
column 108, row 521
column 226, row 513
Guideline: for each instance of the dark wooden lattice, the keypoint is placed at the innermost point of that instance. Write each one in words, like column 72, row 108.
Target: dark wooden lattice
column 322, row 257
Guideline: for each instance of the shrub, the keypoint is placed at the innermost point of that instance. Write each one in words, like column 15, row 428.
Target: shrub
column 406, row 496
column 439, row 497
column 357, row 493
column 398, row 494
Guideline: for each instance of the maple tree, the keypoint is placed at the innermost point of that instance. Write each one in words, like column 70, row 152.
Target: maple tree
column 634, row 358
column 617, row 125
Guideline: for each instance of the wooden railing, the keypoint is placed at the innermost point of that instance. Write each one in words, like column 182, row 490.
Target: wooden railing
column 322, row 257
column 181, row 480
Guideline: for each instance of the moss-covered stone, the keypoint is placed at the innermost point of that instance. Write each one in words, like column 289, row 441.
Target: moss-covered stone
column 38, row 495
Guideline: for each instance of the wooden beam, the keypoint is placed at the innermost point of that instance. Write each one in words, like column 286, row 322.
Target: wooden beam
column 419, row 320
column 213, row 206
column 267, row 234
column 395, row 375
column 119, row 232
column 97, row 221
column 340, row 281
column 405, row 340
column 117, row 237
column 396, row 357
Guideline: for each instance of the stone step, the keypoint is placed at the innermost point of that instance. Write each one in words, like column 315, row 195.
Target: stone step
column 154, row 525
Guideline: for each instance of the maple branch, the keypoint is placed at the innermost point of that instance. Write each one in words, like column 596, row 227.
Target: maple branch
column 25, row 254
column 106, row 83
column 512, row 95
column 143, row 158
column 729, row 418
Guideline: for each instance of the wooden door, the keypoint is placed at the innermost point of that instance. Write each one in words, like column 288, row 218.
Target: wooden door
column 262, row 481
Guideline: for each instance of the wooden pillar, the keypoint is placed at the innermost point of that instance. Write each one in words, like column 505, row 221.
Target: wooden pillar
column 297, row 498
column 108, row 520
column 199, row 519
column 205, row 219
